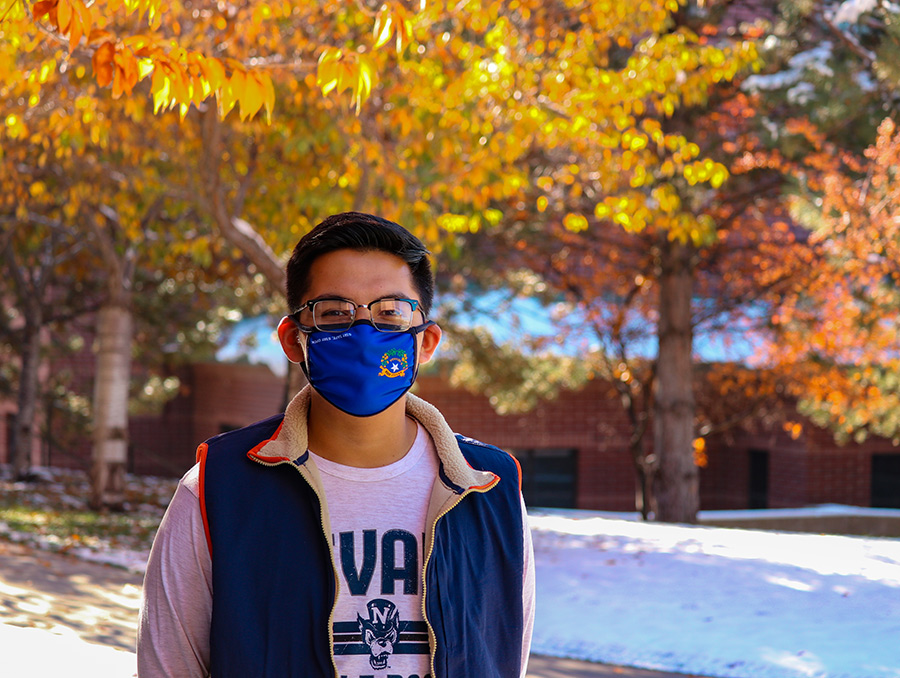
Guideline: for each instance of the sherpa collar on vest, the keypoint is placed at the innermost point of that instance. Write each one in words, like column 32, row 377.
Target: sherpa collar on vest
column 291, row 440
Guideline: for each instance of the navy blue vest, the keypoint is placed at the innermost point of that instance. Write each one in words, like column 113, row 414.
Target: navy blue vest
column 273, row 582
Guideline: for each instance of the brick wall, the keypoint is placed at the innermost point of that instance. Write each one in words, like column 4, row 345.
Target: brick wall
column 589, row 421
column 214, row 397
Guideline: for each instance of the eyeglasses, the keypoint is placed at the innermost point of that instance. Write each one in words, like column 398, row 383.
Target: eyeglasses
column 336, row 315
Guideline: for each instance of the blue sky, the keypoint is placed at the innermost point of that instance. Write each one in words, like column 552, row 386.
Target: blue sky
column 523, row 316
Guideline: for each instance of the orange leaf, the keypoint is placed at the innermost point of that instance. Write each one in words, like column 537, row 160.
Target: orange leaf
column 63, row 16
column 43, row 8
column 87, row 18
column 99, row 35
column 126, row 76
column 102, row 61
column 76, row 30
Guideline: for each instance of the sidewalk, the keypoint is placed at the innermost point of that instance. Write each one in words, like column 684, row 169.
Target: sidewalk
column 95, row 605
column 554, row 667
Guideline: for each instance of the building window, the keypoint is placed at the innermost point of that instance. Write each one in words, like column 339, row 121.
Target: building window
column 758, row 490
column 548, row 476
column 886, row 480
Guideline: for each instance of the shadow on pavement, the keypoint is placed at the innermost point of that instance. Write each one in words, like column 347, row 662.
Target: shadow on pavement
column 46, row 590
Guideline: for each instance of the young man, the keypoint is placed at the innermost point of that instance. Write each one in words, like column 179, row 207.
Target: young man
column 354, row 536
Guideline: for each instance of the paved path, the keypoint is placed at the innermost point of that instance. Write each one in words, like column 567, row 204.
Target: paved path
column 554, row 667
column 99, row 604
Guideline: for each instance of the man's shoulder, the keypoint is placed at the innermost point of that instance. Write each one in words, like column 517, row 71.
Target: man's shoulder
column 484, row 456
column 246, row 437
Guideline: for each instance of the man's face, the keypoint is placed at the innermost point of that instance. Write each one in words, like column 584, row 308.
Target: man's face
column 361, row 277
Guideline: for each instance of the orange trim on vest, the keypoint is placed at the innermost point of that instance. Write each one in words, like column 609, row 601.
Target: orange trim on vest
column 201, row 458
column 253, row 452
column 493, row 482
column 519, row 467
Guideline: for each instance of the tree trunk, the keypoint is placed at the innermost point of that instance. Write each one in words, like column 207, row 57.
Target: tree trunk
column 677, row 494
column 110, row 450
column 29, row 380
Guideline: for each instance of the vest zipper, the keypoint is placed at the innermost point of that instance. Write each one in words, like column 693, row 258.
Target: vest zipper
column 431, row 634
column 330, row 554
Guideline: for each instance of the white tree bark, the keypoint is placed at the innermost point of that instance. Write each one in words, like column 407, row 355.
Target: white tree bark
column 110, row 435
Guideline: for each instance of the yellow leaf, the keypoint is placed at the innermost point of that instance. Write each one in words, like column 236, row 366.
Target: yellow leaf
column 213, row 73
column 364, row 81
column 160, row 88
column 145, row 68
column 251, row 97
column 383, row 26
column 575, row 222
column 327, row 70
column 228, row 94
column 268, row 95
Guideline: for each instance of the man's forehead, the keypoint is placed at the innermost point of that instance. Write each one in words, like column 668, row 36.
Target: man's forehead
column 360, row 276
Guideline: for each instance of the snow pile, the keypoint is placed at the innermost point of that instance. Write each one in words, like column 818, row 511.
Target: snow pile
column 718, row 602
column 37, row 653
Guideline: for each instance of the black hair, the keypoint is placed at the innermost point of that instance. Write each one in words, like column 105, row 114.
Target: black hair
column 363, row 233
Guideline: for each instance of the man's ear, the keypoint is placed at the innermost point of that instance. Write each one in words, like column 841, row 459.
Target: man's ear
column 291, row 338
column 431, row 337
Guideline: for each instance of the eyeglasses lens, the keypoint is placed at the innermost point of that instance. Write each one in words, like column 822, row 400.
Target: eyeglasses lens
column 388, row 315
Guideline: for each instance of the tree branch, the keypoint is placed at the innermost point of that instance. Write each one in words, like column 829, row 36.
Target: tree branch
column 235, row 230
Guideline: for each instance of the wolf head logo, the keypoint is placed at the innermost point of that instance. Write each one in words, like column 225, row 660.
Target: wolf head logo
column 380, row 631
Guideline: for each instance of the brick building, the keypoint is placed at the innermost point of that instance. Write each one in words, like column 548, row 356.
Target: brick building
column 573, row 449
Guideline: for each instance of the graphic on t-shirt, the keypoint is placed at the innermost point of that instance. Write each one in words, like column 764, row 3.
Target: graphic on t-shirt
column 385, row 567
column 394, row 566
column 380, row 631
column 381, row 636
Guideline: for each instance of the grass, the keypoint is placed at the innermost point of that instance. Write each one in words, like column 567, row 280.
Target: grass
column 52, row 512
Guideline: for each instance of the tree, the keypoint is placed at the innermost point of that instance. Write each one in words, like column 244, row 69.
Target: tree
column 39, row 258
column 481, row 112
column 628, row 157
column 844, row 323
column 836, row 68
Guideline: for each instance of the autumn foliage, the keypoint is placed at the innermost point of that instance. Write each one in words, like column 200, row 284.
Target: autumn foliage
column 603, row 149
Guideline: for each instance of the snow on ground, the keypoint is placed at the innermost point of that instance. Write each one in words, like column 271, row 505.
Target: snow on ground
column 728, row 603
column 720, row 602
column 37, row 653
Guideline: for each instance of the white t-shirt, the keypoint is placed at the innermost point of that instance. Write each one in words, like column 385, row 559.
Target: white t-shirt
column 378, row 536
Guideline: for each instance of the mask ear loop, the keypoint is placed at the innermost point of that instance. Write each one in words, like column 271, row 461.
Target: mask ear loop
column 418, row 329
column 300, row 334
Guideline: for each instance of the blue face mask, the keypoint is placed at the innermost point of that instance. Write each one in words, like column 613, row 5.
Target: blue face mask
column 360, row 370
